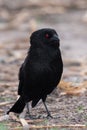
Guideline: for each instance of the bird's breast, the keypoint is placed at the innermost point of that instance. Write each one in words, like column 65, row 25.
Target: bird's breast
column 44, row 73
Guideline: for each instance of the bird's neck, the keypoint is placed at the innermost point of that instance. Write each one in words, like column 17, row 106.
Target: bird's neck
column 44, row 54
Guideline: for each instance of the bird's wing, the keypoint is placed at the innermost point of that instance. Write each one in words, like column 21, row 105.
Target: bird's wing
column 21, row 80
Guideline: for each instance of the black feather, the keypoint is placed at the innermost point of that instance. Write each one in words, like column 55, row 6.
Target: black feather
column 18, row 106
column 42, row 69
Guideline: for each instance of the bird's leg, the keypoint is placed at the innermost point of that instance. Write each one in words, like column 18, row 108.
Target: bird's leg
column 48, row 113
column 30, row 116
column 28, row 109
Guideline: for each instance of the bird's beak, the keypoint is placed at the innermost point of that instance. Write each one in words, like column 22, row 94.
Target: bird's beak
column 55, row 38
column 55, row 41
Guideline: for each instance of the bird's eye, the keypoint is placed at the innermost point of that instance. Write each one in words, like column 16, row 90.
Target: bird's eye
column 47, row 35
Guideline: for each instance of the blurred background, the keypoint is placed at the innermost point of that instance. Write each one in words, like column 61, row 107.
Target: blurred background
column 19, row 18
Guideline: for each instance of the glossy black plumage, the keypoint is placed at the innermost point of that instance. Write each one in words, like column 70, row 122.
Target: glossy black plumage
column 41, row 71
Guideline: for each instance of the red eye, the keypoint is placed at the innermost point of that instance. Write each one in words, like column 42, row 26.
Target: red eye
column 47, row 35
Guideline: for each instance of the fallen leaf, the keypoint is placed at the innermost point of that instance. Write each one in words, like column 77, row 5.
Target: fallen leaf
column 68, row 88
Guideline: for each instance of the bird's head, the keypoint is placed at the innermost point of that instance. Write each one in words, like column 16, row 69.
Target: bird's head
column 45, row 36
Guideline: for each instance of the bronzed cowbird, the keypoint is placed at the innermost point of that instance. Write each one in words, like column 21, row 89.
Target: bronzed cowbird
column 41, row 71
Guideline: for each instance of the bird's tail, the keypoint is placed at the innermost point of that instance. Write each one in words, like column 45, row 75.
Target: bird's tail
column 18, row 106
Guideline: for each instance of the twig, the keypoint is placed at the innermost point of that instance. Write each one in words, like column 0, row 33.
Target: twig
column 54, row 126
column 23, row 121
column 5, row 103
column 8, row 84
column 60, row 126
column 35, row 121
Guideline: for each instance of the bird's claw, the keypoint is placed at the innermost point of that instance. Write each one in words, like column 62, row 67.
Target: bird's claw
column 49, row 116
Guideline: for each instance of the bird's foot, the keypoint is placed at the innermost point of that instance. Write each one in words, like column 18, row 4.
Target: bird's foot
column 33, row 117
column 30, row 117
column 49, row 116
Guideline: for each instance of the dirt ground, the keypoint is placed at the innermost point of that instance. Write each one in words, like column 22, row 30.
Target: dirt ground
column 15, row 29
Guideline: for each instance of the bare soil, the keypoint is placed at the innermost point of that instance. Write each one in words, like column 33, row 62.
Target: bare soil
column 14, row 44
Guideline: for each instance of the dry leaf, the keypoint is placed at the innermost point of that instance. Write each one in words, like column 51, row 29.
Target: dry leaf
column 69, row 89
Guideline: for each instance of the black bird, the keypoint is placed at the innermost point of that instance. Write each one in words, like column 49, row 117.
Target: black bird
column 41, row 71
